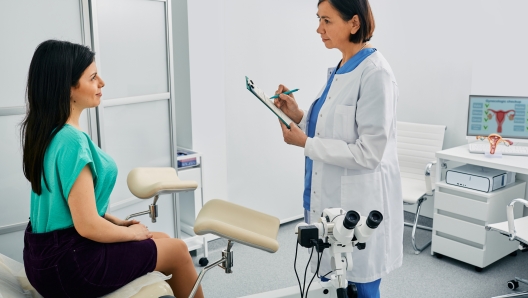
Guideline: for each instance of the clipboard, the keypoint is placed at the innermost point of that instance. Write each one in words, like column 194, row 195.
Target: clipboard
column 268, row 102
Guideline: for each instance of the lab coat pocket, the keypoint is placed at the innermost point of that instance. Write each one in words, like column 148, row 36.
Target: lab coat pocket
column 362, row 193
column 344, row 122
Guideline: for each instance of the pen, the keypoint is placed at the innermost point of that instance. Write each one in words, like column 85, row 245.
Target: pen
column 287, row 92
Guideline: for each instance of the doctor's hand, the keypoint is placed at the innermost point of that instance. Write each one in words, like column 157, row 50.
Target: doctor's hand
column 288, row 105
column 294, row 135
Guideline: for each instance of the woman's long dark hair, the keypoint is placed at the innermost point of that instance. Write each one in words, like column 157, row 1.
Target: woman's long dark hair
column 56, row 66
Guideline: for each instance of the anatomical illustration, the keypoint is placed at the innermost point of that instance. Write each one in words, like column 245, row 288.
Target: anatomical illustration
column 500, row 116
column 494, row 140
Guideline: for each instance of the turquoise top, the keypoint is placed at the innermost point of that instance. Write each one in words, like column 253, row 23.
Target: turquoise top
column 69, row 152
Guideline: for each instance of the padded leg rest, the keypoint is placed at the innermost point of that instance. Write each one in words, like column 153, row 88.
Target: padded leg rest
column 239, row 224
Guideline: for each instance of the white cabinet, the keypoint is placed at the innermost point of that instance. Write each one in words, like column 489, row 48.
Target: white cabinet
column 459, row 218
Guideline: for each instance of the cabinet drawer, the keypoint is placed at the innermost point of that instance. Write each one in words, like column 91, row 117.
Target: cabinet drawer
column 460, row 228
column 456, row 250
column 461, row 205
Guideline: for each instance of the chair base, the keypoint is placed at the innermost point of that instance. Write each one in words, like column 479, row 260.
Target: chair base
column 414, row 225
column 518, row 294
column 514, row 284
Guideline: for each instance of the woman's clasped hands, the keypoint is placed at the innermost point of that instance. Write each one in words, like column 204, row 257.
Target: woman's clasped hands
column 288, row 105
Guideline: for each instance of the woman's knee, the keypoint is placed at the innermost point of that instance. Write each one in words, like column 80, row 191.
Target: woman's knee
column 159, row 235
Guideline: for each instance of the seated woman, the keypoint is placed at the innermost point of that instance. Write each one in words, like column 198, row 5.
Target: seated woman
column 72, row 247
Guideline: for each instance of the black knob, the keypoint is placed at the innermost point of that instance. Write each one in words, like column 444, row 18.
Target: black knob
column 351, row 219
column 374, row 219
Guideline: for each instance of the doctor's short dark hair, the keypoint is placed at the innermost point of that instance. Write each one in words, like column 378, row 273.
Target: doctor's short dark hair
column 348, row 9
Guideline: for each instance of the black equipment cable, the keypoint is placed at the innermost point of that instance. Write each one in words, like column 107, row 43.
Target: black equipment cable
column 295, row 268
column 306, row 270
column 320, row 256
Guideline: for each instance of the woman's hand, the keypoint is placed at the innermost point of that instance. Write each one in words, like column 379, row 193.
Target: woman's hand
column 139, row 232
column 294, row 135
column 120, row 222
column 288, row 105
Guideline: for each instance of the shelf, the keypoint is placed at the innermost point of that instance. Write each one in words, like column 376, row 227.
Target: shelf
column 193, row 242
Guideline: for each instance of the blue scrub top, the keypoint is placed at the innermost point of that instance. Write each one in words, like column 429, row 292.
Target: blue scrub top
column 349, row 66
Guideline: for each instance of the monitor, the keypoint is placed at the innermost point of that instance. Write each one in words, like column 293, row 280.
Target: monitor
column 503, row 115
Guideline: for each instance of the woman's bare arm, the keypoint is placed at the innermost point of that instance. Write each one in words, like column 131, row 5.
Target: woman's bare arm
column 87, row 221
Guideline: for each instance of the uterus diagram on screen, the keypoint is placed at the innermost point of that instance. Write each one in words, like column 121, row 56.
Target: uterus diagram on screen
column 500, row 116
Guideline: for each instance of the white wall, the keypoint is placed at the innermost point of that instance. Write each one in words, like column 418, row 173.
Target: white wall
column 440, row 53
column 206, row 60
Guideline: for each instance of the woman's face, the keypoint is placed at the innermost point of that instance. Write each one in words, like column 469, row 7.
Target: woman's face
column 334, row 31
column 87, row 94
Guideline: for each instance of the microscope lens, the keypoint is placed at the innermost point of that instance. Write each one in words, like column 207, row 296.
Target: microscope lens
column 351, row 219
column 374, row 219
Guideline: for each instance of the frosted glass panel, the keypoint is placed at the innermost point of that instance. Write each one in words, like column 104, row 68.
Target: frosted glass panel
column 23, row 26
column 14, row 188
column 133, row 47
column 137, row 135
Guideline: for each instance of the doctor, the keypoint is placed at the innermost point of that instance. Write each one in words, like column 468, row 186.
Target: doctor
column 349, row 140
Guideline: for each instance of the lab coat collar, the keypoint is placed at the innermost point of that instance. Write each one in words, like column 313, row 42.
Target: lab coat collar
column 353, row 62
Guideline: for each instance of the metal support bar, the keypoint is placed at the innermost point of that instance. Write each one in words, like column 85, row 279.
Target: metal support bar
column 524, row 281
column 152, row 211
column 517, row 294
column 418, row 226
column 418, row 250
column 137, row 214
column 224, row 262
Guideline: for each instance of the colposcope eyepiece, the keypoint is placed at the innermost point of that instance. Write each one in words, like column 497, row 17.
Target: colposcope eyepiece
column 351, row 219
column 374, row 219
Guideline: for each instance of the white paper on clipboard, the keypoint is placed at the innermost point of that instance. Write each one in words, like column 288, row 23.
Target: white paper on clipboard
column 268, row 102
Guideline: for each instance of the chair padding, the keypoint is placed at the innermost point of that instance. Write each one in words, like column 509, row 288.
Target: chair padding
column 521, row 228
column 145, row 183
column 239, row 224
column 412, row 190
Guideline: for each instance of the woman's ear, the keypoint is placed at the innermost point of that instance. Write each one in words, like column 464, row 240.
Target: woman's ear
column 354, row 24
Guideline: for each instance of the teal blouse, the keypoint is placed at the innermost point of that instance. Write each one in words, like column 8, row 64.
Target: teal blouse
column 69, row 152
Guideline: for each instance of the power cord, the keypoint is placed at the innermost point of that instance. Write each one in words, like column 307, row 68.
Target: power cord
column 306, row 270
column 295, row 268
column 319, row 257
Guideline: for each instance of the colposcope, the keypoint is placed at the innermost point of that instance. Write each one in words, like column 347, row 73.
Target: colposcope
column 339, row 231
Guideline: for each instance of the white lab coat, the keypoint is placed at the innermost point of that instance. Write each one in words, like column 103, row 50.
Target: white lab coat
column 355, row 163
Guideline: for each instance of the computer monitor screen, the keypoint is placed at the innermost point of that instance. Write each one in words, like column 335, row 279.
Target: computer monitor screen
column 503, row 115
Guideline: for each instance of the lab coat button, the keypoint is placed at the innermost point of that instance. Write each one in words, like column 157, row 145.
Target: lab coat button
column 317, row 133
column 321, row 115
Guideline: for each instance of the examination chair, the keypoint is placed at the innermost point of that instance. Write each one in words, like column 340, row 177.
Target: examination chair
column 516, row 230
column 224, row 219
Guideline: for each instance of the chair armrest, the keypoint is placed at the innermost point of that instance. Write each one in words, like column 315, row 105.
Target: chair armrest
column 428, row 178
column 511, row 219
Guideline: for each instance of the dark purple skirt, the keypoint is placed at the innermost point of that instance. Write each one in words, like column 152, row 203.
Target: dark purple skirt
column 62, row 263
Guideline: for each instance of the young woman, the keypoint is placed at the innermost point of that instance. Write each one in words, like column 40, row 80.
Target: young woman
column 72, row 247
column 349, row 140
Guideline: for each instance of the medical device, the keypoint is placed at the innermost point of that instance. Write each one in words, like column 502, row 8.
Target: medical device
column 503, row 115
column 339, row 231
column 479, row 178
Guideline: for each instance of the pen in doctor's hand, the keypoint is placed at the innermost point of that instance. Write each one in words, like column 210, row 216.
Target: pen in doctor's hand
column 287, row 92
